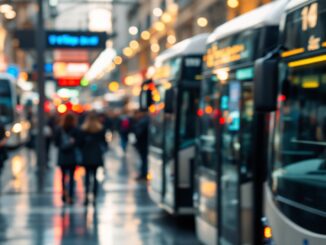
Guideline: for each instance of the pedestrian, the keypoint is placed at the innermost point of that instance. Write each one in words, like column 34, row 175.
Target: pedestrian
column 124, row 130
column 140, row 130
column 66, row 139
column 3, row 149
column 93, row 146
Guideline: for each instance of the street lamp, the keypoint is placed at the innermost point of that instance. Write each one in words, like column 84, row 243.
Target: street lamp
column 202, row 22
column 133, row 30
column 8, row 11
column 4, row 8
column 157, row 12
column 233, row 3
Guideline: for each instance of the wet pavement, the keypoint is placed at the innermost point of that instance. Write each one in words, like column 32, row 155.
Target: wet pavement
column 124, row 214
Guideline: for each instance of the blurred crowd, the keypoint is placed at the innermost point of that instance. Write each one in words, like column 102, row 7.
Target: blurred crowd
column 82, row 140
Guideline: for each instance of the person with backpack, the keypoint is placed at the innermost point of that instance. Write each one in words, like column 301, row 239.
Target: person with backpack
column 93, row 147
column 66, row 139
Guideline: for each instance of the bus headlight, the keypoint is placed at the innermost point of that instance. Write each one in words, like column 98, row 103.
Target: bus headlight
column 17, row 128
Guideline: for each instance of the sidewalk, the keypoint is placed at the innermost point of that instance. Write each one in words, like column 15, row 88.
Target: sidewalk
column 124, row 214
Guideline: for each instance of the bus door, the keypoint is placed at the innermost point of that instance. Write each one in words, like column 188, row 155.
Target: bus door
column 229, row 198
column 169, row 147
column 185, row 154
column 235, row 202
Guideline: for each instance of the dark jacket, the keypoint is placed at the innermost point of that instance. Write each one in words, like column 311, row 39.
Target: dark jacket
column 67, row 142
column 3, row 150
column 93, row 146
column 140, row 130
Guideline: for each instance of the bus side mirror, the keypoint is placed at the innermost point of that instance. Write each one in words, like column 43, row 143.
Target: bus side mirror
column 266, row 84
column 169, row 101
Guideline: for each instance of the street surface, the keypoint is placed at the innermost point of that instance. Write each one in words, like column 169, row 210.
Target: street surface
column 124, row 213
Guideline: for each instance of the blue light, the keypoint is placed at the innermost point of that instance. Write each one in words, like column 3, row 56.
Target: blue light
column 94, row 87
column 13, row 70
column 73, row 40
column 48, row 68
column 225, row 102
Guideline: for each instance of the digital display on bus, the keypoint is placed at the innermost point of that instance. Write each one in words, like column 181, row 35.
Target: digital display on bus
column 237, row 49
column 304, row 29
column 187, row 68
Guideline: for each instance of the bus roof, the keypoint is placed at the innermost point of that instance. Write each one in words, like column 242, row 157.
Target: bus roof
column 267, row 15
column 191, row 46
column 295, row 3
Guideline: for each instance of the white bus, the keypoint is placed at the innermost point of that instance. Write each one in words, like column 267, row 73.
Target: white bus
column 16, row 128
column 175, row 92
column 296, row 189
column 224, row 198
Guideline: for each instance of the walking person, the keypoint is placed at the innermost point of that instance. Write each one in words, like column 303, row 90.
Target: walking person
column 140, row 130
column 66, row 139
column 93, row 146
column 3, row 150
column 124, row 131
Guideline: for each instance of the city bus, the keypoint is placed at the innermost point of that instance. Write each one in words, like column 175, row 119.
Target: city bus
column 224, row 144
column 16, row 128
column 172, row 134
column 296, row 189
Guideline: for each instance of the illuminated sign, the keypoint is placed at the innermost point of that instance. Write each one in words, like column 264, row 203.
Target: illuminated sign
column 64, row 39
column 245, row 74
column 304, row 29
column 63, row 69
column 61, row 39
column 162, row 72
column 217, row 57
column 69, row 82
column 67, row 40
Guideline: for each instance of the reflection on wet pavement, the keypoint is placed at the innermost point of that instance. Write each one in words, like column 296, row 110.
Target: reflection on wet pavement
column 124, row 213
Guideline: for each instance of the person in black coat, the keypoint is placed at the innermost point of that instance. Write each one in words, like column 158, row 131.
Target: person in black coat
column 66, row 139
column 3, row 150
column 93, row 146
column 140, row 129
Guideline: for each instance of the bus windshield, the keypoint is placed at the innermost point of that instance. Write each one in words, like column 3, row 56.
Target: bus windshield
column 6, row 102
column 156, row 131
column 207, row 113
column 298, row 172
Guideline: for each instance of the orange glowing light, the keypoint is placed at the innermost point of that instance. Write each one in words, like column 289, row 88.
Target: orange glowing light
column 23, row 76
column 156, row 97
column 209, row 109
column 62, row 108
column 161, row 106
column 268, row 232
column 118, row 60
column 152, row 109
column 149, row 176
column 114, row 86
column 78, row 109
column 87, row 107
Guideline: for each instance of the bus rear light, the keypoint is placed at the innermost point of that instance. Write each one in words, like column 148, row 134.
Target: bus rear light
column 222, row 121
column 200, row 112
column 281, row 98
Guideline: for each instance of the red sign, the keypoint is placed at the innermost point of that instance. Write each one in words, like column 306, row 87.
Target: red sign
column 69, row 82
